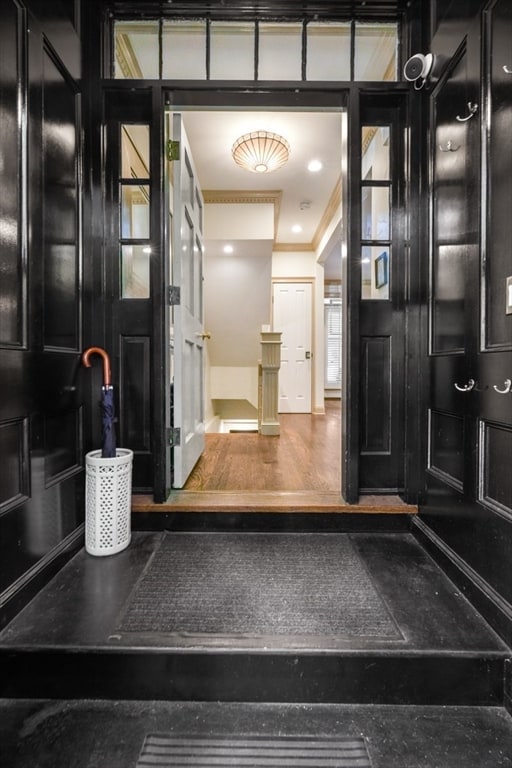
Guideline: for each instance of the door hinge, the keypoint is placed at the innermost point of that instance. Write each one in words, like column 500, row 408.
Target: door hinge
column 174, row 436
column 173, row 295
column 173, row 150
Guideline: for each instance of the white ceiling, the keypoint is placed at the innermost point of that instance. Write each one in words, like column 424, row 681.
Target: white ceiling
column 311, row 135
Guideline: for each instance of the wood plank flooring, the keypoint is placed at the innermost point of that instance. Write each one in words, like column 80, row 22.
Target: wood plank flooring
column 306, row 456
column 299, row 471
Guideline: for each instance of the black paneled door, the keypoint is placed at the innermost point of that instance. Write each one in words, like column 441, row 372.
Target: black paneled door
column 383, row 280
column 130, row 284
column 470, row 415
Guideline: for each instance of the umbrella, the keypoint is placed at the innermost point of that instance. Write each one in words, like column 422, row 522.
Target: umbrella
column 108, row 432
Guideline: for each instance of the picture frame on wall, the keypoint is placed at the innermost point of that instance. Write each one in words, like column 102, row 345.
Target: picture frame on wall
column 381, row 270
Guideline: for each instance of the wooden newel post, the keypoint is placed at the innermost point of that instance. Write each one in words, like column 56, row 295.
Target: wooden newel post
column 270, row 364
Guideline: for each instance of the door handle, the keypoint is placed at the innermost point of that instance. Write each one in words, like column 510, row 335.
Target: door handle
column 506, row 389
column 465, row 387
column 204, row 335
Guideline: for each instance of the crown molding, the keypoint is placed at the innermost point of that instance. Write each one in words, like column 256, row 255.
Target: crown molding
column 328, row 214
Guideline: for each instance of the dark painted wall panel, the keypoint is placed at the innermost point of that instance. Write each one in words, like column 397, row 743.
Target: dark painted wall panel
column 469, row 493
column 447, row 447
column 14, row 448
column 376, row 405
column 11, row 265
column 496, row 475
column 60, row 210
column 135, row 406
column 32, row 530
column 58, row 22
column 499, row 235
column 41, row 394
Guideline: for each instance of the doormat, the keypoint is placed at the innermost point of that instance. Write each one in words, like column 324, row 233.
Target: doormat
column 168, row 751
column 257, row 584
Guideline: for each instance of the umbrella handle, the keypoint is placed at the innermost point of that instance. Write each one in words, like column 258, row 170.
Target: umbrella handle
column 106, row 362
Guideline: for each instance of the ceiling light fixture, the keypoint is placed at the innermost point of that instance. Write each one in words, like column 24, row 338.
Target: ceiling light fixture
column 260, row 151
column 296, row 228
column 314, row 166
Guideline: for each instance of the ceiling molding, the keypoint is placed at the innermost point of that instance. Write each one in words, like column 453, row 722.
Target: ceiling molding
column 126, row 58
column 245, row 196
column 290, row 247
column 367, row 138
column 328, row 215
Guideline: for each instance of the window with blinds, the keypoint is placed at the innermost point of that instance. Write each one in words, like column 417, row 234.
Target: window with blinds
column 332, row 313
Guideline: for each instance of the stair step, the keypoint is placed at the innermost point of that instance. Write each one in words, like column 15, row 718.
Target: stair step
column 117, row 734
column 400, row 632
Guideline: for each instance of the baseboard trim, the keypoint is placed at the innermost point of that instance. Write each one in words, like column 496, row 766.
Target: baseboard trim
column 492, row 606
column 20, row 592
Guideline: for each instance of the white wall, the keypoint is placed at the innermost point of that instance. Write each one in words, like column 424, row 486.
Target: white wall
column 236, row 221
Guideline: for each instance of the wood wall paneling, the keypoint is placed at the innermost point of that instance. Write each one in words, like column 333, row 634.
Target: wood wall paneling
column 41, row 397
column 498, row 256
column 469, row 494
column 495, row 486
column 446, row 448
column 12, row 246
column 376, row 399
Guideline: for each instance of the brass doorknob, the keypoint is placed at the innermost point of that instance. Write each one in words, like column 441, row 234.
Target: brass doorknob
column 204, row 335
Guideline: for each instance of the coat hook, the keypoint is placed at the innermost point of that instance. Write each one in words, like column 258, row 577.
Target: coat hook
column 507, row 70
column 449, row 147
column 473, row 109
column 465, row 387
column 506, row 389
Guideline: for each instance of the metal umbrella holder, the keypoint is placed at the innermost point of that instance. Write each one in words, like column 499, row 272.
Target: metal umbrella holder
column 108, row 477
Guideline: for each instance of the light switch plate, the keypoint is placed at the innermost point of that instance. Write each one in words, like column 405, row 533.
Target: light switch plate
column 508, row 309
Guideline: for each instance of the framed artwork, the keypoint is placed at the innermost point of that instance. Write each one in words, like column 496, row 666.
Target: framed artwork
column 381, row 270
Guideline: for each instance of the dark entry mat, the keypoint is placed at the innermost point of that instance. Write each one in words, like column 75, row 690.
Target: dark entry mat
column 167, row 751
column 257, row 584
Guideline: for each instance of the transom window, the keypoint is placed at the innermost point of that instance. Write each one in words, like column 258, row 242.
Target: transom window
column 200, row 49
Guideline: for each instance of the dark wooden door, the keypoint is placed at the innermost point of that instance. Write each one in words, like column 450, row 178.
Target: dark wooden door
column 41, row 404
column 383, row 281
column 131, row 252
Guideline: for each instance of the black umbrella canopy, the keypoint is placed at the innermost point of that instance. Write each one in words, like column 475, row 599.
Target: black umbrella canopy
column 108, row 417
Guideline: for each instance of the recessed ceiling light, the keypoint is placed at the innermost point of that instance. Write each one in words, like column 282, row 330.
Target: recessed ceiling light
column 296, row 228
column 228, row 249
column 314, row 166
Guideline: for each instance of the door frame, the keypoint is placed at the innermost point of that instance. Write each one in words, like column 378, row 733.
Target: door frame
column 177, row 97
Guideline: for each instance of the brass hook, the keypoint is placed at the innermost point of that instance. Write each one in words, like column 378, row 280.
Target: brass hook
column 106, row 362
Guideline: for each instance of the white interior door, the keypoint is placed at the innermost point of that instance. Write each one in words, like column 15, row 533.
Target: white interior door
column 292, row 312
column 188, row 314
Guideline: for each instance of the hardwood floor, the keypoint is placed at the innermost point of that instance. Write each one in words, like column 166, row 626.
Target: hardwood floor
column 299, row 471
column 305, row 457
